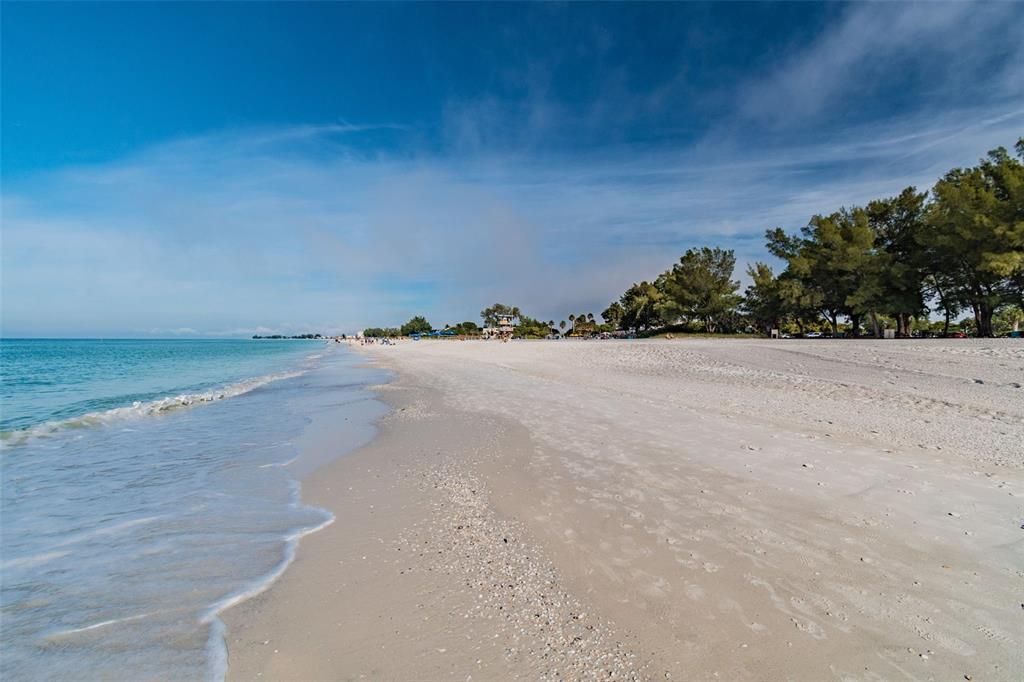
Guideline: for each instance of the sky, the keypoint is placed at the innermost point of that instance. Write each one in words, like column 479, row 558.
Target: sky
column 227, row 169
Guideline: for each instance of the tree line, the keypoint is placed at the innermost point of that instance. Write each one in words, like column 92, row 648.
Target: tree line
column 523, row 325
column 956, row 249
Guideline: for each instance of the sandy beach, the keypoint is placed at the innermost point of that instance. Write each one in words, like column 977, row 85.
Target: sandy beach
column 688, row 509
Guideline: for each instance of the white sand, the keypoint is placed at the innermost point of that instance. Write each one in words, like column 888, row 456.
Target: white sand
column 730, row 509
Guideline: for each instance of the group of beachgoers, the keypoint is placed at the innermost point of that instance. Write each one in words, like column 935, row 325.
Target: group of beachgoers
column 374, row 340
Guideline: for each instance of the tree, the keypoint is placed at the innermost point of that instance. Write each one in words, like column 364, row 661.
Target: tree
column 466, row 328
column 899, row 270
column 640, row 306
column 1017, row 288
column 490, row 315
column 584, row 323
column 763, row 298
column 975, row 234
column 829, row 265
column 378, row 332
column 958, row 248
column 1010, row 318
column 613, row 315
column 940, row 286
column 700, row 287
column 417, row 325
column 800, row 297
column 529, row 328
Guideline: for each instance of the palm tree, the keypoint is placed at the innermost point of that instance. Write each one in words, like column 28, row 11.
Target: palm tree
column 590, row 317
column 561, row 325
column 572, row 321
column 515, row 313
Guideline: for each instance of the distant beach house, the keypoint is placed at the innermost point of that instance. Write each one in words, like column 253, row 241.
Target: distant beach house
column 502, row 330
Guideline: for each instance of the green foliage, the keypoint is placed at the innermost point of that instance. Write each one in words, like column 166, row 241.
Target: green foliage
column 466, row 328
column 529, row 328
column 641, row 307
column 417, row 325
column 763, row 302
column 831, row 262
column 974, row 238
column 613, row 314
column 800, row 300
column 964, row 249
column 584, row 324
column 1007, row 319
column 898, row 272
column 382, row 332
column 490, row 315
column 700, row 287
column 961, row 248
column 853, row 263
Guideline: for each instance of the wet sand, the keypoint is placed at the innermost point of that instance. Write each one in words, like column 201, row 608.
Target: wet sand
column 689, row 509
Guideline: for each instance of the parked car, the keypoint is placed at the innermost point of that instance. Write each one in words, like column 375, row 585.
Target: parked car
column 813, row 335
column 956, row 335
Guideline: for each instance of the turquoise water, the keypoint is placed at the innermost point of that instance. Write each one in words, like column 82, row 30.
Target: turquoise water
column 149, row 485
column 53, row 381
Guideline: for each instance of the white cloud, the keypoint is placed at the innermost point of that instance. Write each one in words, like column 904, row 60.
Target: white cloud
column 956, row 50
column 246, row 235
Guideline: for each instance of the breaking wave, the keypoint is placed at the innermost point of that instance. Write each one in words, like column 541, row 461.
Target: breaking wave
column 140, row 409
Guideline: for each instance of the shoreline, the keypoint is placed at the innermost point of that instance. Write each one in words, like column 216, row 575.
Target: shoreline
column 358, row 414
column 664, row 534
column 424, row 491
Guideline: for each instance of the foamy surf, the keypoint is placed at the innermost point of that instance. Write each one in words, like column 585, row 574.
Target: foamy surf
column 97, row 626
column 176, row 518
column 216, row 648
column 141, row 409
column 279, row 465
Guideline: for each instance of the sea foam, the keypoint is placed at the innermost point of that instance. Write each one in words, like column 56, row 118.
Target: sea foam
column 140, row 409
column 125, row 543
column 216, row 648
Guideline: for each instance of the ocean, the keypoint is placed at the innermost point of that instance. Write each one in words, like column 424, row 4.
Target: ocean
column 147, row 485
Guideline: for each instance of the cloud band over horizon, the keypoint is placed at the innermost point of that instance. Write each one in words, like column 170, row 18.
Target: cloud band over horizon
column 333, row 226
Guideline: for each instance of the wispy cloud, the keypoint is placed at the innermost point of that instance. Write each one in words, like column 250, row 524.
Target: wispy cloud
column 962, row 50
column 258, row 234
column 553, row 203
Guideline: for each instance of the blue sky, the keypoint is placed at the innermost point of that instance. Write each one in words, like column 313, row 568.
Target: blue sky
column 224, row 169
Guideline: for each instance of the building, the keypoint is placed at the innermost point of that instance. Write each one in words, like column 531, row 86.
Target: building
column 503, row 330
column 505, row 325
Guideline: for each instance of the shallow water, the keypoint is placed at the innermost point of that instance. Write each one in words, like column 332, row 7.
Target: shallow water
column 124, row 537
